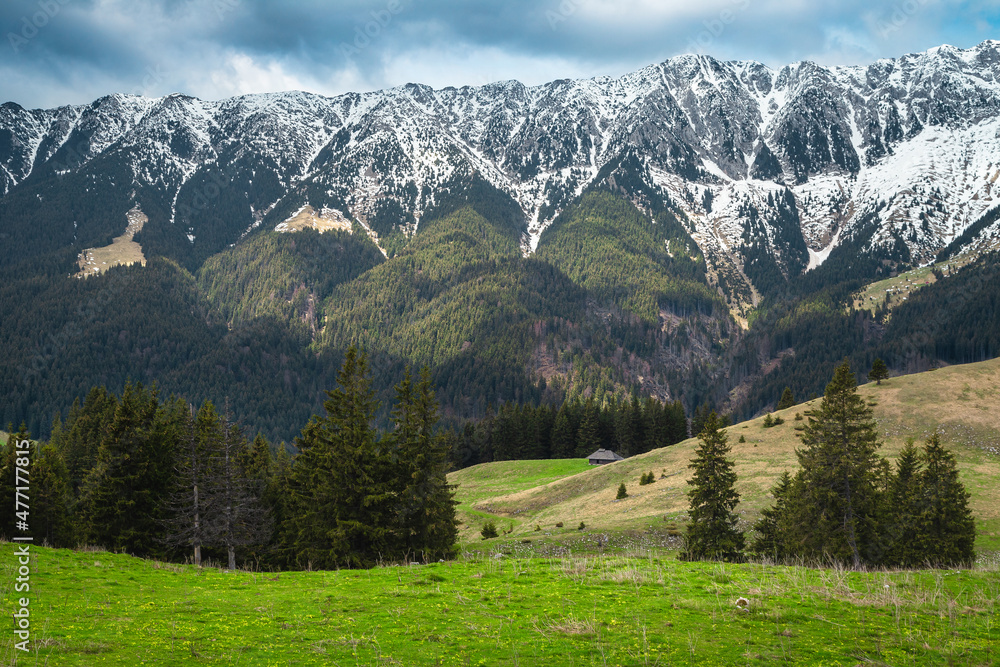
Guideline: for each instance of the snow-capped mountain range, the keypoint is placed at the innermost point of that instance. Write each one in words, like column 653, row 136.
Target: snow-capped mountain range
column 901, row 156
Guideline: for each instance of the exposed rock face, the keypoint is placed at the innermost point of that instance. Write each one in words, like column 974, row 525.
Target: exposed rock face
column 770, row 167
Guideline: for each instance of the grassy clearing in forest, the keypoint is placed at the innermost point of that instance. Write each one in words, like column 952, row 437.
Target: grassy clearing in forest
column 960, row 402
column 98, row 608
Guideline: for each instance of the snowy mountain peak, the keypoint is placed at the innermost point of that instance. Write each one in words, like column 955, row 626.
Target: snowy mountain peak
column 901, row 152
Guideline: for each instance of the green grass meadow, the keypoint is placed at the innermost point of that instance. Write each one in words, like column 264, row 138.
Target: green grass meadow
column 548, row 592
column 98, row 608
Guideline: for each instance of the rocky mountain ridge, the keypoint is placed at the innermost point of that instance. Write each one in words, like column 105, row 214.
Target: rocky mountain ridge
column 771, row 168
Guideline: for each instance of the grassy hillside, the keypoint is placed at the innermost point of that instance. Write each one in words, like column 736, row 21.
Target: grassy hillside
column 959, row 401
column 90, row 609
column 899, row 288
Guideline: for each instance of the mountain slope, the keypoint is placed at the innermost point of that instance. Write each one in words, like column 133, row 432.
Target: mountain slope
column 898, row 156
column 957, row 402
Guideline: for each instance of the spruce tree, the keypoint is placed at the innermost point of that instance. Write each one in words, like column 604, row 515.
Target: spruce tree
column 8, row 471
column 126, row 488
column 787, row 400
column 946, row 531
column 769, row 542
column 835, row 512
column 712, row 532
column 678, row 423
column 81, row 433
column 188, row 503
column 626, row 436
column 341, row 483
column 903, row 509
column 878, row 372
column 50, row 498
column 588, row 436
column 563, row 435
column 425, row 514
column 238, row 518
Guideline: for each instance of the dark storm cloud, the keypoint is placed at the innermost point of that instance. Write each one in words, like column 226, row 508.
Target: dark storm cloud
column 72, row 51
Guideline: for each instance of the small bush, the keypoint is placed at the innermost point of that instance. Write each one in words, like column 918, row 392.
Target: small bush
column 647, row 478
column 537, row 528
column 768, row 421
column 622, row 493
column 798, row 416
column 581, row 526
column 489, row 530
column 559, row 525
column 743, row 438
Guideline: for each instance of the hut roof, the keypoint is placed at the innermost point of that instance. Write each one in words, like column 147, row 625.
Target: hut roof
column 605, row 455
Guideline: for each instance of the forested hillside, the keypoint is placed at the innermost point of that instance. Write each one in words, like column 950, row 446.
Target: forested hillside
column 265, row 322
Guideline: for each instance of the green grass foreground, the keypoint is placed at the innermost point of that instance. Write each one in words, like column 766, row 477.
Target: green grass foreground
column 98, row 608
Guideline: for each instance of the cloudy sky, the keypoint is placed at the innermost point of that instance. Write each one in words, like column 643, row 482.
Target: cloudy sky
column 72, row 51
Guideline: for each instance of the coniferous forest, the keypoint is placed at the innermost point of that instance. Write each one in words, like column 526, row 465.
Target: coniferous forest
column 614, row 303
column 846, row 504
column 154, row 476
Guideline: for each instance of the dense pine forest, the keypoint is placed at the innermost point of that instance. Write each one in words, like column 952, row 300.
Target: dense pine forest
column 161, row 478
column 845, row 504
column 615, row 305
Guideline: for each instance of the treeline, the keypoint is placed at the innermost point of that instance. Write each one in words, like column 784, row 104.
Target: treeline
column 846, row 504
column 157, row 478
column 575, row 430
column 952, row 321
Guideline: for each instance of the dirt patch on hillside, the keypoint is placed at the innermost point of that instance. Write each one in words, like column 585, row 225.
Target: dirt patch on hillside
column 308, row 218
column 122, row 251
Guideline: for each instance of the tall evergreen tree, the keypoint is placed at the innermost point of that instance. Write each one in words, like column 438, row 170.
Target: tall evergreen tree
column 238, row 518
column 787, row 400
column 678, row 423
column 51, row 498
column 835, row 512
column 81, row 433
column 769, row 542
column 903, row 509
column 8, row 466
column 425, row 519
column 946, row 531
column 588, row 436
column 340, row 485
column 712, row 532
column 563, row 435
column 132, row 475
column 186, row 523
column 626, row 435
